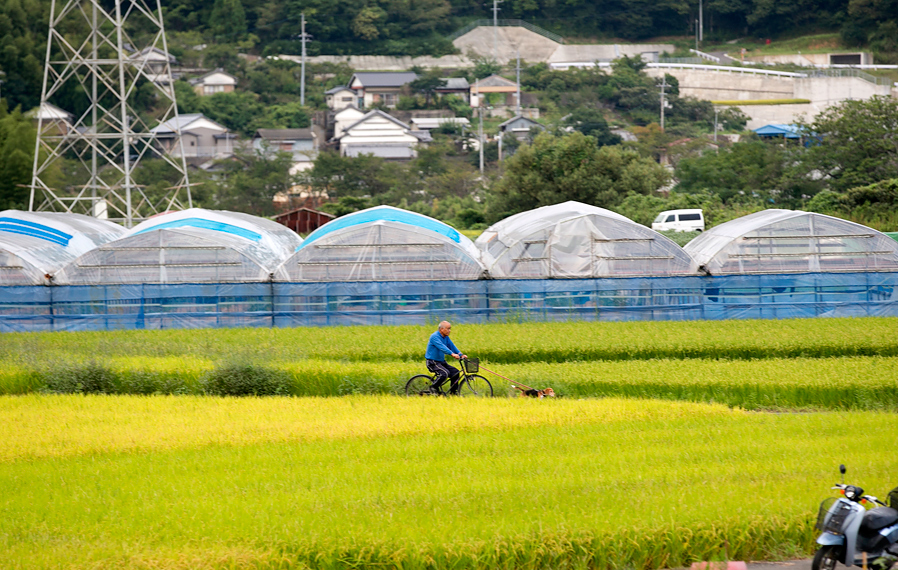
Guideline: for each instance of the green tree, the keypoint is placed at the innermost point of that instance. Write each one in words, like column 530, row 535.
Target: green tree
column 17, row 137
column 854, row 143
column 250, row 183
column 555, row 169
column 591, row 122
column 228, row 20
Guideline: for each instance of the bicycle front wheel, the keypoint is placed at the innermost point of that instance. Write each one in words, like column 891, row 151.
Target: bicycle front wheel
column 419, row 386
column 476, row 387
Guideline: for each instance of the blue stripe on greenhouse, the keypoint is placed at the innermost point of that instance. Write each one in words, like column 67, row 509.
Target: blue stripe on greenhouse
column 16, row 226
column 383, row 214
column 206, row 225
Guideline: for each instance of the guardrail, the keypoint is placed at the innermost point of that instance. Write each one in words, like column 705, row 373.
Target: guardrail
column 851, row 72
column 506, row 23
column 706, row 56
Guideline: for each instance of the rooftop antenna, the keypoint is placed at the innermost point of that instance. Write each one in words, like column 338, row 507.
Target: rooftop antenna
column 89, row 46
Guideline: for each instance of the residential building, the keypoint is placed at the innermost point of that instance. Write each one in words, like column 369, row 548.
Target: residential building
column 53, row 120
column 520, row 127
column 153, row 63
column 345, row 117
column 201, row 137
column 380, row 134
column 492, row 84
column 340, row 98
column 301, row 143
column 380, row 87
column 455, row 86
column 217, row 81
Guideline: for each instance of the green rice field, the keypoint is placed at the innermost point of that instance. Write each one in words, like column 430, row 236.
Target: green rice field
column 671, row 443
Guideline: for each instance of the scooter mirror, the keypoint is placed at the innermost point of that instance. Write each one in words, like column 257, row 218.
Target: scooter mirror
column 842, row 469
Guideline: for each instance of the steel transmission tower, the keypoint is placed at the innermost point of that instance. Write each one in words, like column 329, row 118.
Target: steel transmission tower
column 91, row 52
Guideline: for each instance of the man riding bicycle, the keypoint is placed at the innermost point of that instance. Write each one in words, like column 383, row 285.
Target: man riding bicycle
column 438, row 347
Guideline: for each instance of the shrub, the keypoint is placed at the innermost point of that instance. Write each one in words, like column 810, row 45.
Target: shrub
column 246, row 379
column 81, row 378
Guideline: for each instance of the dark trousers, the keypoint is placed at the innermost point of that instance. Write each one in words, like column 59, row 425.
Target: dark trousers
column 444, row 372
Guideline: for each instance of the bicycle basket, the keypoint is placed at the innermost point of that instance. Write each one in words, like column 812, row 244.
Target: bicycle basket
column 472, row 365
column 838, row 512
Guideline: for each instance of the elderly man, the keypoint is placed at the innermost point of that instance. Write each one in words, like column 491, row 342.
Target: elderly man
column 438, row 347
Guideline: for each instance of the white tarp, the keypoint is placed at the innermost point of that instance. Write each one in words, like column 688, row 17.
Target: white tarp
column 787, row 241
column 576, row 240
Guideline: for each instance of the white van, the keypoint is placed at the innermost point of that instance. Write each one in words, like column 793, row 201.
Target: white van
column 680, row 221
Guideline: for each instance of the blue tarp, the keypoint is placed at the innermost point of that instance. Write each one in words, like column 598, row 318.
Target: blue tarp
column 114, row 307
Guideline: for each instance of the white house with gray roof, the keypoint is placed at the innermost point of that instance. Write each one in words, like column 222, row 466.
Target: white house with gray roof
column 340, row 98
column 202, row 137
column 380, row 134
column 380, row 87
column 302, row 144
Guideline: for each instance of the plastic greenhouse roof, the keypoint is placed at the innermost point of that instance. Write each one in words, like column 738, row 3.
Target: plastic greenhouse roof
column 280, row 239
column 190, row 246
column 576, row 240
column 792, row 241
column 40, row 243
column 384, row 244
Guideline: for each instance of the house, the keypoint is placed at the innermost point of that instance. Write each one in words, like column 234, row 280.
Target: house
column 201, row 137
column 492, row 84
column 301, row 143
column 380, row 87
column 345, row 117
column 520, row 126
column 340, row 98
column 304, row 220
column 154, row 63
column 53, row 120
column 455, row 86
column 380, row 134
column 217, row 81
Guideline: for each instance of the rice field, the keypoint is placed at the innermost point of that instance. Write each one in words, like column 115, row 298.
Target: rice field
column 361, row 481
column 849, row 364
column 671, row 442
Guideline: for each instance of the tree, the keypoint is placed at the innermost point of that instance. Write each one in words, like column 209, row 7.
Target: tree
column 854, row 143
column 572, row 167
column 591, row 122
column 228, row 20
column 17, row 137
column 250, row 182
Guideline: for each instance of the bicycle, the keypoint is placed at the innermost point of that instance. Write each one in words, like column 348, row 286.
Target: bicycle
column 470, row 384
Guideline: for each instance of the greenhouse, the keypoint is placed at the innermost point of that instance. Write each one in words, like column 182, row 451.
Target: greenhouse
column 383, row 244
column 35, row 245
column 786, row 241
column 190, row 246
column 575, row 240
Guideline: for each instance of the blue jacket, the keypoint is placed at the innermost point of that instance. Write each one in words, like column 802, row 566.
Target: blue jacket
column 439, row 346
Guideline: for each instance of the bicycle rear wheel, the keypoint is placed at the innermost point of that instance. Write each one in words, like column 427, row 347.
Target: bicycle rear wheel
column 419, row 386
column 475, row 386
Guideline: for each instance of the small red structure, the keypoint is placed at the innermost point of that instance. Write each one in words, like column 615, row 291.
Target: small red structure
column 303, row 220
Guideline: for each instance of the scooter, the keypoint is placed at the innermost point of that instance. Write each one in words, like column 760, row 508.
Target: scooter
column 853, row 535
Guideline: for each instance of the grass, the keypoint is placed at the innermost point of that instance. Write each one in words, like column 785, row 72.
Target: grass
column 800, row 364
column 187, row 482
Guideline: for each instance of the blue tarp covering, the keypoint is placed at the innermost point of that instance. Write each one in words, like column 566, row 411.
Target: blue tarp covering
column 114, row 307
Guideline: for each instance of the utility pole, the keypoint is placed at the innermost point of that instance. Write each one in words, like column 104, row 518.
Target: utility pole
column 701, row 23
column 696, row 35
column 480, row 135
column 496, row 29
column 663, row 86
column 302, row 80
column 518, row 79
column 716, row 110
